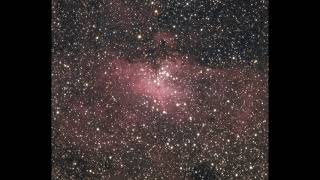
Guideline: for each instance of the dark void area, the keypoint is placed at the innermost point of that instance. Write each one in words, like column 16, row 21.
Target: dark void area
column 204, row 171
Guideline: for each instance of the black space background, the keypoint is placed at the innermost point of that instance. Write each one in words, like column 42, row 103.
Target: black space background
column 26, row 83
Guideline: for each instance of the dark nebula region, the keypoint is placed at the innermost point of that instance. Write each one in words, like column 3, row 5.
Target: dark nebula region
column 159, row 89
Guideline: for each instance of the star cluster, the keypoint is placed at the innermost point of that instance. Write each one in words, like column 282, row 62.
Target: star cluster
column 159, row 89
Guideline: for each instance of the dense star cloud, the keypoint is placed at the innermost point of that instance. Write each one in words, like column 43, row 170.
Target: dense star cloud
column 159, row 89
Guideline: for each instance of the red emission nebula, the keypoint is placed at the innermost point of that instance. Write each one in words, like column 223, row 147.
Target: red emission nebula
column 135, row 97
column 176, row 94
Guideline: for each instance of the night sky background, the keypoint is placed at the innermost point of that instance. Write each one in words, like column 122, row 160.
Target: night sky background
column 169, row 89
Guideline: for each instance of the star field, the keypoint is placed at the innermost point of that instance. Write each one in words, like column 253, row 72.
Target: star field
column 160, row 89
